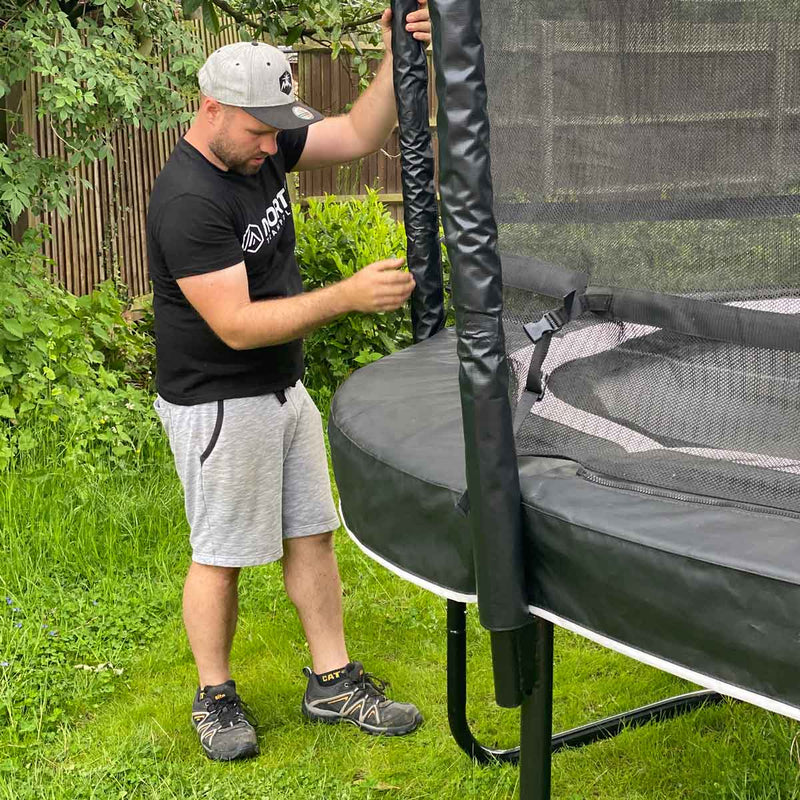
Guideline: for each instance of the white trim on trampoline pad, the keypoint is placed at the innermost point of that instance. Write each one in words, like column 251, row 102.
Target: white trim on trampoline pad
column 728, row 689
column 706, row 681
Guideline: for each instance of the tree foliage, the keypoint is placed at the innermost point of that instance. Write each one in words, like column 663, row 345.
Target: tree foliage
column 325, row 21
column 110, row 63
column 337, row 24
column 104, row 64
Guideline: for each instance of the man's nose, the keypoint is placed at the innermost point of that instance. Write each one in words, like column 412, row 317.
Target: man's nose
column 269, row 145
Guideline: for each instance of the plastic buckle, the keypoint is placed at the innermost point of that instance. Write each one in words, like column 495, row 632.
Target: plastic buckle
column 550, row 322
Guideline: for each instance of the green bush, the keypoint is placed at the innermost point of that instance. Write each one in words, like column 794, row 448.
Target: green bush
column 334, row 239
column 75, row 377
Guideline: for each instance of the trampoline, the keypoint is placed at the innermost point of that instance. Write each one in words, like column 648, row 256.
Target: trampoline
column 608, row 440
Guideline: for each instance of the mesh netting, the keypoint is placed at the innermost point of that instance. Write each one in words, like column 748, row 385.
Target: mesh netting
column 645, row 405
column 655, row 146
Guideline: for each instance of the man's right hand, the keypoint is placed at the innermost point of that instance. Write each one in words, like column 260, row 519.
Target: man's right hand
column 222, row 298
column 381, row 286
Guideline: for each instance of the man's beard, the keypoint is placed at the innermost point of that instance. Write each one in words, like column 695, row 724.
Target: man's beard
column 232, row 160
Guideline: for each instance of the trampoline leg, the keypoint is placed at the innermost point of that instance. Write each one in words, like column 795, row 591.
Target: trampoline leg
column 457, row 691
column 536, row 720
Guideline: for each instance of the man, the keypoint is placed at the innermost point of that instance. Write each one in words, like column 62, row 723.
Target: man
column 230, row 315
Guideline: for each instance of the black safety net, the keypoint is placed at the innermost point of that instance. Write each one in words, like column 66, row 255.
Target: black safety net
column 646, row 170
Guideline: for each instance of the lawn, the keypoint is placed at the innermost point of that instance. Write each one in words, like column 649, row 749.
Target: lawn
column 92, row 569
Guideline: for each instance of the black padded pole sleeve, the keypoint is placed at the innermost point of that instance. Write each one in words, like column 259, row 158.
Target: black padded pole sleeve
column 466, row 191
column 417, row 171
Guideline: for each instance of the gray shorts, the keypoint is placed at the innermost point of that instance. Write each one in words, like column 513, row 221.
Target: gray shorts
column 254, row 472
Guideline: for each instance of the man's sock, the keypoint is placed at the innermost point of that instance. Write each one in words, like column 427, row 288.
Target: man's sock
column 332, row 676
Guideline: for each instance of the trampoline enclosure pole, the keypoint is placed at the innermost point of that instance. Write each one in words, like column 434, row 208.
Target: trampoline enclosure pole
column 471, row 233
column 417, row 171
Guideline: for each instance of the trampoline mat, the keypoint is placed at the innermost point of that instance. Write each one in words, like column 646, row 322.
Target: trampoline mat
column 709, row 592
column 659, row 410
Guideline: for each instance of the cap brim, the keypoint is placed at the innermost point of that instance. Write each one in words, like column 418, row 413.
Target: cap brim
column 287, row 117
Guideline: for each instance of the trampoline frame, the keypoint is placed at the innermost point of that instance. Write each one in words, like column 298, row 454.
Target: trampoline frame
column 537, row 742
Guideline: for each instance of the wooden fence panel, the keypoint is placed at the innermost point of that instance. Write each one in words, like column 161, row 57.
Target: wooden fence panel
column 103, row 235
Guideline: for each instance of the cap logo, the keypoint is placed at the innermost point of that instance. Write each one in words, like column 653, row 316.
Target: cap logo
column 302, row 113
column 286, row 82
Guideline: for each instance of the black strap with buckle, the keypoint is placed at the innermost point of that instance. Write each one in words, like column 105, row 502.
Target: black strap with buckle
column 541, row 332
column 551, row 322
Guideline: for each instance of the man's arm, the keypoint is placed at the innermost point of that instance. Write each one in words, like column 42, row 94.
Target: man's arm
column 364, row 129
column 222, row 299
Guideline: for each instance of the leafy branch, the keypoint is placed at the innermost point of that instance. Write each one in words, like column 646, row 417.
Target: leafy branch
column 328, row 22
column 257, row 26
column 99, row 65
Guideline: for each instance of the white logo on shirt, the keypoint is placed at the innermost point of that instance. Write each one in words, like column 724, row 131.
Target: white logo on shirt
column 253, row 239
column 261, row 233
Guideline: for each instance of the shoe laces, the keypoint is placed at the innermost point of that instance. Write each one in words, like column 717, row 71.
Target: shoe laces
column 231, row 710
column 372, row 685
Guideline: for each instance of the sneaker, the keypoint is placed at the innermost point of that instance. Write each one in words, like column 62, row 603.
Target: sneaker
column 354, row 696
column 223, row 723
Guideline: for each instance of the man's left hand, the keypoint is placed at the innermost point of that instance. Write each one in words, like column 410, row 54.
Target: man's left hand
column 418, row 24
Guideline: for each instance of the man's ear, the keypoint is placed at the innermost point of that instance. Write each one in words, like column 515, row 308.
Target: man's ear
column 211, row 109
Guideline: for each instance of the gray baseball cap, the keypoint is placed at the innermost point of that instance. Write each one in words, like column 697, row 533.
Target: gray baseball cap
column 257, row 78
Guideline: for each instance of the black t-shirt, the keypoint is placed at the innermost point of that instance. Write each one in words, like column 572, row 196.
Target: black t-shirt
column 201, row 219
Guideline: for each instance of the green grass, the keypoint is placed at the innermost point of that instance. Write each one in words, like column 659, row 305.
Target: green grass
column 99, row 561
